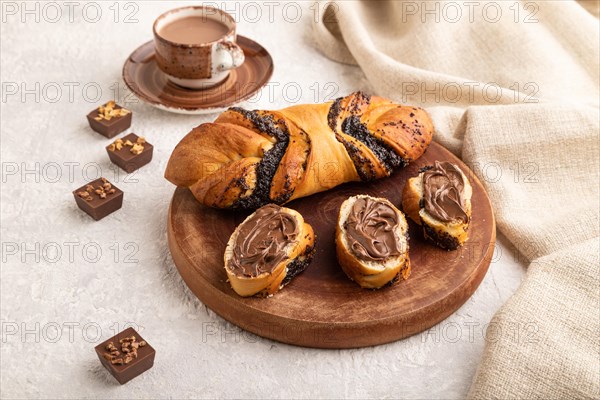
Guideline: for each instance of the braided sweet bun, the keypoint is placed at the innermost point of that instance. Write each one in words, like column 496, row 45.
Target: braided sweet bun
column 246, row 159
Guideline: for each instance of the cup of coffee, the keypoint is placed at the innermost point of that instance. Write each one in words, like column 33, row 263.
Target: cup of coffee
column 195, row 46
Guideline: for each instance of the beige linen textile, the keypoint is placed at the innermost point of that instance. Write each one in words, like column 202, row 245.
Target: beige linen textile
column 517, row 97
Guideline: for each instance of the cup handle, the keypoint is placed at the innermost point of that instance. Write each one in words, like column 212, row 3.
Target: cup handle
column 228, row 55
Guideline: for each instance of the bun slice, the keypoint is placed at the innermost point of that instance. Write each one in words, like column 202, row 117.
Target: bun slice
column 267, row 250
column 439, row 199
column 372, row 241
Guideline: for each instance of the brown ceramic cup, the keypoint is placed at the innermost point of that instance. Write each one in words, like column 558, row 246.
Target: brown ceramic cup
column 198, row 65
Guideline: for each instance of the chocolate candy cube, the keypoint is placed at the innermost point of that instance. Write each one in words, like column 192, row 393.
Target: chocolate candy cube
column 126, row 355
column 130, row 152
column 99, row 198
column 110, row 119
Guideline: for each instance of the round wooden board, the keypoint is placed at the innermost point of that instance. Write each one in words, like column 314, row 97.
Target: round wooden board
column 322, row 307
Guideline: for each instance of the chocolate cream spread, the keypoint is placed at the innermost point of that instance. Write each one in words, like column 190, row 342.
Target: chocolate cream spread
column 443, row 192
column 261, row 241
column 370, row 227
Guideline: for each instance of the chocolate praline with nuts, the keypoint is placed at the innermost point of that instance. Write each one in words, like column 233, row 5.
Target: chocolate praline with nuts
column 130, row 152
column 99, row 198
column 126, row 355
column 110, row 119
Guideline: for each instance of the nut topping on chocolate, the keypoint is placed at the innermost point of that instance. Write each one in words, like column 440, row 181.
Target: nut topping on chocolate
column 85, row 195
column 136, row 148
column 108, row 112
column 129, row 349
column 101, row 191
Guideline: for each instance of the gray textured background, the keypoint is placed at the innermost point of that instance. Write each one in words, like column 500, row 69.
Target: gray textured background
column 59, row 298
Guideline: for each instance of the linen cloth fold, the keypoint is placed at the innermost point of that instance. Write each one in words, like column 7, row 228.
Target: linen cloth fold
column 513, row 88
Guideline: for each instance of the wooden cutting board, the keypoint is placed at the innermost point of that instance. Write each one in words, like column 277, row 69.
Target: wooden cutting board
column 322, row 307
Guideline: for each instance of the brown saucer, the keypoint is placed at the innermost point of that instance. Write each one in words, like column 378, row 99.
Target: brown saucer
column 321, row 307
column 147, row 82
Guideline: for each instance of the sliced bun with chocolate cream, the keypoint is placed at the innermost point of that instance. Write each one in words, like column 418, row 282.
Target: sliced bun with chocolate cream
column 439, row 199
column 372, row 241
column 267, row 250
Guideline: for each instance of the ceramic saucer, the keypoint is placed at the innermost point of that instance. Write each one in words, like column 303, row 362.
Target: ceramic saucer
column 148, row 83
